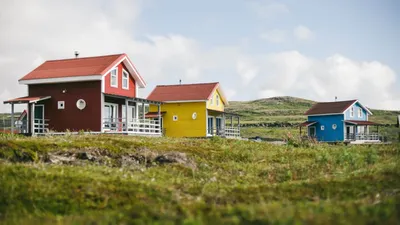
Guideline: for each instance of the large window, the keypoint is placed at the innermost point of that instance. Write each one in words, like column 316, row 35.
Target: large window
column 125, row 80
column 110, row 115
column 352, row 112
column 114, row 78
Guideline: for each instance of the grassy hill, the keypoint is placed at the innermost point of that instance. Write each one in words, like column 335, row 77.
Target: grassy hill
column 134, row 180
column 291, row 110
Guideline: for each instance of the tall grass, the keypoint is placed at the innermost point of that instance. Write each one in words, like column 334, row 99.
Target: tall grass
column 234, row 182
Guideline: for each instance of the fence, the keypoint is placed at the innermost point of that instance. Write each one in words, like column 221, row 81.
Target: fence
column 5, row 124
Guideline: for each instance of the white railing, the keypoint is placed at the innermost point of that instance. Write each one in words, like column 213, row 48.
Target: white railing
column 229, row 132
column 369, row 137
column 40, row 125
column 132, row 126
column 232, row 132
column 364, row 137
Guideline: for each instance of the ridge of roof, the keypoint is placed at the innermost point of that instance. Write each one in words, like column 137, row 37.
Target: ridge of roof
column 87, row 57
column 195, row 84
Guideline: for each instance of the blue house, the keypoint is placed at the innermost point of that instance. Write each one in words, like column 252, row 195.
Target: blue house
column 340, row 121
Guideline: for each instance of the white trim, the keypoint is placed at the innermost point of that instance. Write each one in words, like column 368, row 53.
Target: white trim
column 127, row 79
column 351, row 112
column 131, row 69
column 359, row 112
column 185, row 101
column 41, row 99
column 61, row 79
column 116, row 77
column 361, row 107
column 326, row 114
column 311, row 124
column 315, row 130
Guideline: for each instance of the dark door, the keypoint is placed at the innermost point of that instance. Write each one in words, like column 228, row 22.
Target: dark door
column 38, row 122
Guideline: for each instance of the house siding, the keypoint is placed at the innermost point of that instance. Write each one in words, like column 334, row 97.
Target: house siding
column 214, row 105
column 71, row 117
column 355, row 117
column 329, row 134
column 131, row 92
column 185, row 126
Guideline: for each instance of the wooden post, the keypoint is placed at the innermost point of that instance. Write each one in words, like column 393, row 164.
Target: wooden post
column 33, row 119
column 144, row 111
column 126, row 114
column 159, row 117
column 12, row 118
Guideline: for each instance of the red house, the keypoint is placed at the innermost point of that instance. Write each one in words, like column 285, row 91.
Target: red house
column 96, row 94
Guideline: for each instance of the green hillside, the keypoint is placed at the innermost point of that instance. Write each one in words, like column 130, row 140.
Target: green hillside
column 290, row 109
column 258, row 114
column 135, row 180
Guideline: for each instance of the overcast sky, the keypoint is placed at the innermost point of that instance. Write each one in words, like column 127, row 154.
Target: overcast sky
column 255, row 48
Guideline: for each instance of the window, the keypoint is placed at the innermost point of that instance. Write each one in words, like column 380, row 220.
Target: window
column 334, row 126
column 359, row 113
column 217, row 97
column 175, row 118
column 125, row 80
column 61, row 105
column 211, row 100
column 352, row 112
column 114, row 78
column 322, row 127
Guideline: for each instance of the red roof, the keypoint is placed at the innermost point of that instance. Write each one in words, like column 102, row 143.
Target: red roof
column 183, row 92
column 154, row 114
column 330, row 107
column 361, row 122
column 88, row 66
column 307, row 123
column 26, row 99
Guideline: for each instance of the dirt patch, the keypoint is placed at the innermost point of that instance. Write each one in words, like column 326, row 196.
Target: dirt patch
column 140, row 158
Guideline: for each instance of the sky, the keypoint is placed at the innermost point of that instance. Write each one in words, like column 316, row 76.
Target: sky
column 255, row 48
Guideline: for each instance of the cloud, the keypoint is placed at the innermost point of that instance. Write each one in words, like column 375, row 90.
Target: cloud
column 246, row 70
column 303, row 33
column 275, row 36
column 292, row 73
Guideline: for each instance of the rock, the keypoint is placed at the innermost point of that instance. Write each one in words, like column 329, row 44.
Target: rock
column 175, row 157
column 85, row 156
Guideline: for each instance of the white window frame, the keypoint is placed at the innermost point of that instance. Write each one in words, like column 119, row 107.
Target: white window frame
column 124, row 72
column 116, row 77
column 322, row 127
column 359, row 113
column 217, row 99
column 212, row 100
column 352, row 112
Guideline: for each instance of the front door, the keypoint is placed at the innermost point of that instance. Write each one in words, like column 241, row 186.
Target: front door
column 110, row 116
column 38, row 123
column 210, row 123
column 350, row 132
column 219, row 125
column 311, row 131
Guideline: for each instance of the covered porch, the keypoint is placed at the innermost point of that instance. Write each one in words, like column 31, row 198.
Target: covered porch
column 361, row 131
column 223, row 124
column 34, row 121
column 128, row 116
column 309, row 129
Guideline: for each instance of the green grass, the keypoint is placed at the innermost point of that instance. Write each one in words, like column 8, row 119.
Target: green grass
column 236, row 182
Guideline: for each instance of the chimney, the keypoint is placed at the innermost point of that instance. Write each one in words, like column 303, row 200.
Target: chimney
column 76, row 54
column 335, row 98
column 180, row 81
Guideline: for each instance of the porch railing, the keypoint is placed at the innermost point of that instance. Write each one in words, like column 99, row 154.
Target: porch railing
column 366, row 137
column 134, row 126
column 41, row 125
column 227, row 132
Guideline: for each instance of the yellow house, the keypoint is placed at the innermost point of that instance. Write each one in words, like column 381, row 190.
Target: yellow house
column 194, row 110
